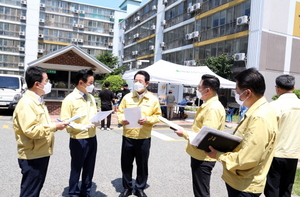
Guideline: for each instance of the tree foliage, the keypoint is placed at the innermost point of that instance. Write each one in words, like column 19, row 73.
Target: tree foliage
column 220, row 65
column 297, row 92
column 116, row 82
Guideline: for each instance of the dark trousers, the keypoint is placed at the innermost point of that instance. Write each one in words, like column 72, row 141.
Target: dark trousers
column 201, row 172
column 280, row 178
column 83, row 157
column 108, row 118
column 235, row 193
column 34, row 173
column 138, row 149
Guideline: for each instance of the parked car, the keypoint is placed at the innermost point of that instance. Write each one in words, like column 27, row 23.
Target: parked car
column 12, row 88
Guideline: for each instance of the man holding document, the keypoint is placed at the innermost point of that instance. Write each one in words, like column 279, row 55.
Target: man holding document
column 138, row 112
column 83, row 141
column 246, row 167
column 212, row 114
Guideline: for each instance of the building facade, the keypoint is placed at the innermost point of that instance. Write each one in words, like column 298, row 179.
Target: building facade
column 258, row 33
column 32, row 29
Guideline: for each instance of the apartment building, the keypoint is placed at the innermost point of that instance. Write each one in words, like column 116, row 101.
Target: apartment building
column 258, row 33
column 30, row 29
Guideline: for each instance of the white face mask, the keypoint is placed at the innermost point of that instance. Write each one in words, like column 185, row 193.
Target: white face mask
column 47, row 88
column 138, row 86
column 90, row 88
column 199, row 94
column 237, row 98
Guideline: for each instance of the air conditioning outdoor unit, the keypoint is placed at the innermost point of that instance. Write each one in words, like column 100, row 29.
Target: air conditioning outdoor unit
column 136, row 19
column 193, row 63
column 43, row 5
column 75, row 25
column 22, row 33
column 23, row 2
column 190, row 9
column 124, row 27
column 81, row 11
column 111, row 16
column 42, row 20
column 189, row 36
column 154, row 7
column 186, row 63
column 134, row 52
column 110, row 44
column 76, row 11
column 23, row 17
column 123, row 41
column 81, row 26
column 242, row 20
column 122, row 56
column 21, row 64
column 162, row 45
column 41, row 36
column 195, row 34
column 151, row 47
column 21, row 49
column 239, row 56
column 165, row 2
column 40, row 50
column 74, row 39
column 153, row 27
column 197, row 6
column 136, row 35
column 163, row 23
column 80, row 40
column 111, row 31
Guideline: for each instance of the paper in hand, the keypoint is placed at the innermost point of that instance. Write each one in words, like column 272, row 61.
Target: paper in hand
column 132, row 115
column 74, row 118
column 100, row 116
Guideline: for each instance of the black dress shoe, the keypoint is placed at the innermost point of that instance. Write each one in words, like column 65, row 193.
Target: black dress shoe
column 140, row 193
column 126, row 193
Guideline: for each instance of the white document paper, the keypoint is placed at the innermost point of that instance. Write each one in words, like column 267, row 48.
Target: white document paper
column 191, row 135
column 132, row 115
column 74, row 118
column 100, row 116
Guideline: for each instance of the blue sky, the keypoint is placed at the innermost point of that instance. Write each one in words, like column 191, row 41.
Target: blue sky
column 106, row 3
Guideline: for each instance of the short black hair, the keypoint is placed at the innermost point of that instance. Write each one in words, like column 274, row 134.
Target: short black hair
column 106, row 84
column 145, row 73
column 33, row 74
column 83, row 75
column 211, row 81
column 286, row 82
column 251, row 79
column 125, row 85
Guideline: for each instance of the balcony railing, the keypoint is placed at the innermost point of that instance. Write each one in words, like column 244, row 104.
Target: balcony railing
column 57, row 24
column 58, row 9
column 9, row 17
column 208, row 5
column 178, row 19
column 9, row 65
column 9, row 49
column 9, row 33
column 177, row 43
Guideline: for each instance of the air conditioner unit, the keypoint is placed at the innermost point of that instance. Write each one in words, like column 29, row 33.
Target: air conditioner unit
column 80, row 40
column 81, row 26
column 163, row 23
column 123, row 41
column 195, row 34
column 23, row 2
column 153, row 27
column 134, row 52
column 76, row 11
column 21, row 49
column 165, row 2
column 42, row 20
column 151, row 47
column 136, row 19
column 74, row 39
column 122, row 56
column 110, row 44
column 186, row 63
column 197, row 6
column 81, row 11
column 21, row 64
column 154, row 7
column 40, row 50
column 75, row 25
column 43, row 5
column 162, row 45
column 242, row 20
column 111, row 31
column 239, row 56
column 124, row 27
column 193, row 63
column 23, row 17
column 41, row 36
column 189, row 36
column 136, row 35
column 22, row 33
column 190, row 9
column 111, row 16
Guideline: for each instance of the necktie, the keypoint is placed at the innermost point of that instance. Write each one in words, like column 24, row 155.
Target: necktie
column 85, row 97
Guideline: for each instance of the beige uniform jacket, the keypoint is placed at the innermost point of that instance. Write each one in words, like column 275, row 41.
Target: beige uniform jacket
column 34, row 131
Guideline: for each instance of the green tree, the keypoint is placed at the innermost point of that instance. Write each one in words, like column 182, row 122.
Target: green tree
column 115, row 82
column 220, row 65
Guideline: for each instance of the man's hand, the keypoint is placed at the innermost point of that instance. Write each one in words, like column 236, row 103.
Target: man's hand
column 179, row 131
column 61, row 125
column 125, row 122
column 86, row 127
column 212, row 153
column 142, row 121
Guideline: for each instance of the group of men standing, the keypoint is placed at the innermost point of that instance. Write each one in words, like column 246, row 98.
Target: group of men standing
column 249, row 170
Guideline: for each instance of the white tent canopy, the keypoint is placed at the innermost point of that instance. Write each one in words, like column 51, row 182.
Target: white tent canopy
column 167, row 72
